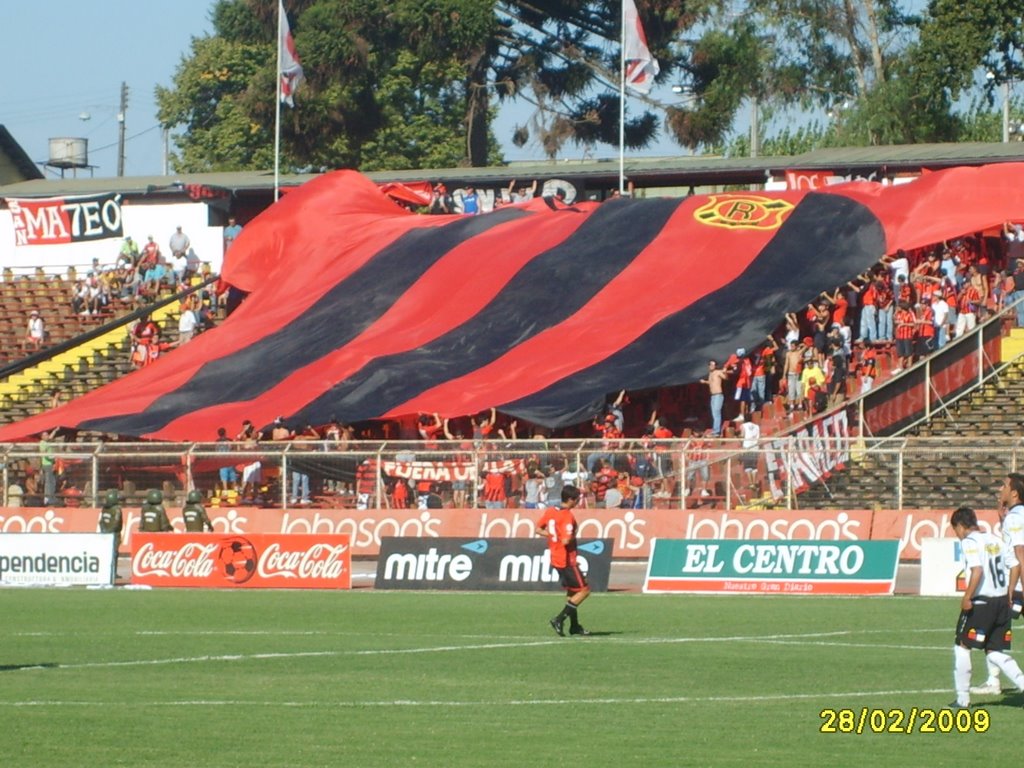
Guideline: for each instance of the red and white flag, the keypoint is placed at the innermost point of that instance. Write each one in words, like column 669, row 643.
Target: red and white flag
column 641, row 67
column 291, row 67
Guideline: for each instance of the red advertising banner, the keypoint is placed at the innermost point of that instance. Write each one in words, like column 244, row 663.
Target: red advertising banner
column 65, row 219
column 911, row 527
column 268, row 561
column 630, row 529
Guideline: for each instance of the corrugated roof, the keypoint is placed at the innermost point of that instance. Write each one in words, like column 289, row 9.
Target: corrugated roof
column 680, row 170
column 15, row 164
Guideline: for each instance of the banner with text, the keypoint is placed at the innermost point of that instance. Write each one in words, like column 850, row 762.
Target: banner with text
column 631, row 530
column 254, row 560
column 491, row 564
column 791, row 567
column 57, row 220
column 57, row 559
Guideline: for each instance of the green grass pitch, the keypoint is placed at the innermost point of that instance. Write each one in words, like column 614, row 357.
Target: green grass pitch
column 363, row 678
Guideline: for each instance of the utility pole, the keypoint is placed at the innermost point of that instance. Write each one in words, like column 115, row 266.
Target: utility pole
column 120, row 128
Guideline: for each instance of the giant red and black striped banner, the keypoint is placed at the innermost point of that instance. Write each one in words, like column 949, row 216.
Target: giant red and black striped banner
column 359, row 309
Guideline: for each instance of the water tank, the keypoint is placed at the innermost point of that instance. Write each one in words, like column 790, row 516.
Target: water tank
column 69, row 153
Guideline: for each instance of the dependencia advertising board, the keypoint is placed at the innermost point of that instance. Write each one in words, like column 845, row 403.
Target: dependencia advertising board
column 275, row 561
column 57, row 559
column 486, row 564
column 773, row 567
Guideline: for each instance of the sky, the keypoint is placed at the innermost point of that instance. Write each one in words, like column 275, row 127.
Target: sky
column 72, row 57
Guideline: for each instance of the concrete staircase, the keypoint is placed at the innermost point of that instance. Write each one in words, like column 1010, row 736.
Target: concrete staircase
column 958, row 458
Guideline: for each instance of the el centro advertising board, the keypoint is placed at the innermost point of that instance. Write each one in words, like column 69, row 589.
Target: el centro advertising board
column 486, row 564
column 772, row 567
column 255, row 560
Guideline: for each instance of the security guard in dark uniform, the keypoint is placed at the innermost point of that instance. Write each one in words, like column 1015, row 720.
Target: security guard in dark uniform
column 196, row 519
column 154, row 517
column 111, row 520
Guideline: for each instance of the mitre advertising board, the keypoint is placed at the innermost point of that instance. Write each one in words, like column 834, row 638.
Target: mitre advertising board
column 485, row 564
column 276, row 561
column 773, row 567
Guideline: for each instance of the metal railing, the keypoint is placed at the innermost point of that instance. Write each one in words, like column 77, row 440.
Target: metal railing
column 715, row 472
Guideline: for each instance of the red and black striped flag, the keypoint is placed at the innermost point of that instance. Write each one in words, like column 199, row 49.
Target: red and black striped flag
column 360, row 310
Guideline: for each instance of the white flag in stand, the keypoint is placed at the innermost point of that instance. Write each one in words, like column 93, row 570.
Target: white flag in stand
column 641, row 68
column 291, row 68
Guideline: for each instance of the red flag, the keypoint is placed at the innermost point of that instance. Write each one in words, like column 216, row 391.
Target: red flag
column 641, row 67
column 291, row 67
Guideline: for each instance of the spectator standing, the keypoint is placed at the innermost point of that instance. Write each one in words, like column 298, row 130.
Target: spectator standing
column 35, row 334
column 187, row 322
column 885, row 306
column 791, row 371
column 1014, row 235
column 744, row 380
column 47, row 466
column 1017, row 296
column 925, row 330
column 231, row 232
column 179, row 243
column 906, row 330
column 227, row 474
column 300, row 477
column 940, row 317
column 750, row 433
column 869, row 313
column 470, row 202
column 715, row 380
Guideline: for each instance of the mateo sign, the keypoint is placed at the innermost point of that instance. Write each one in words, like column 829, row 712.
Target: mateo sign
column 784, row 567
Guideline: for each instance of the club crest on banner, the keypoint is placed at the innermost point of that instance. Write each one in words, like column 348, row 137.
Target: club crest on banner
column 744, row 211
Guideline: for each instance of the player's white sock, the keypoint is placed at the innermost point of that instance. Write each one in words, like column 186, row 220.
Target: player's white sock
column 1009, row 667
column 962, row 674
column 993, row 672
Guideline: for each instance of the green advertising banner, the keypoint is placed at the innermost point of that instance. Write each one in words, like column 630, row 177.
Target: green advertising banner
column 773, row 567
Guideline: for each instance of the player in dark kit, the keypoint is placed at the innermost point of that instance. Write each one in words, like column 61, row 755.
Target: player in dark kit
column 195, row 517
column 559, row 526
column 153, row 517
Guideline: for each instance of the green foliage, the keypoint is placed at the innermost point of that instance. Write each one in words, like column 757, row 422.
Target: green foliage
column 385, row 87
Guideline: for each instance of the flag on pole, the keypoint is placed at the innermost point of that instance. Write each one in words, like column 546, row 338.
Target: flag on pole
column 291, row 67
column 641, row 68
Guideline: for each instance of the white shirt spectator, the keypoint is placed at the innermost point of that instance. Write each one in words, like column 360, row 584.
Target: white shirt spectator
column 187, row 324
column 941, row 311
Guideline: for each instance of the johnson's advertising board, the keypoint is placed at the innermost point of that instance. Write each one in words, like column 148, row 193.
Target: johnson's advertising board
column 276, row 561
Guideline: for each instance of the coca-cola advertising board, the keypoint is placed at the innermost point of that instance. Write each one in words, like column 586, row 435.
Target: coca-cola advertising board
column 269, row 561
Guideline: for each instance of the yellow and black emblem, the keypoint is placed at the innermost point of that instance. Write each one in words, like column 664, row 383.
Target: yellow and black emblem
column 743, row 211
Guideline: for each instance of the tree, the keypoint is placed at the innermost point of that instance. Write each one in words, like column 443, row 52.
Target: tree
column 384, row 86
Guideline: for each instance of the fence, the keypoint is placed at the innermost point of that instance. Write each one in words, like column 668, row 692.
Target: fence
column 643, row 474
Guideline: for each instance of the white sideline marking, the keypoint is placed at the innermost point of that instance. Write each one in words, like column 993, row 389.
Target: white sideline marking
column 805, row 638
column 491, row 703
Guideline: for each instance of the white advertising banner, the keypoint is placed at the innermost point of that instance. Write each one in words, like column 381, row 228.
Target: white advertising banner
column 942, row 567
column 57, row 559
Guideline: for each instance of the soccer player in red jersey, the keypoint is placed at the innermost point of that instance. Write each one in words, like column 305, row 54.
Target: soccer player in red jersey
column 559, row 526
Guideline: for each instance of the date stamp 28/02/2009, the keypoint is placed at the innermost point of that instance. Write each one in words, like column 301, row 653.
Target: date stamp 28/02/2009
column 903, row 720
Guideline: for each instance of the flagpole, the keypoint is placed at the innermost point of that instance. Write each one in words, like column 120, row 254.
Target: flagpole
column 622, row 104
column 277, row 107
